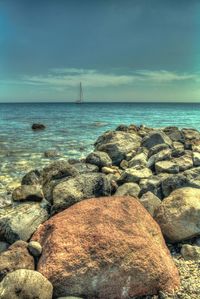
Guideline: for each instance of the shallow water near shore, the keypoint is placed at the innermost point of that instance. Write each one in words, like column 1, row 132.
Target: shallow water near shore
column 72, row 129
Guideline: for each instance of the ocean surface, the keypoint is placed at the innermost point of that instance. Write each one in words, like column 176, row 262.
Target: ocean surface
column 72, row 129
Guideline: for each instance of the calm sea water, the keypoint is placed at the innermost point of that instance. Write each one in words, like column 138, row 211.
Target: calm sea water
column 72, row 129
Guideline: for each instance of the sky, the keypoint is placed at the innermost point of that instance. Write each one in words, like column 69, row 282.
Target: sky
column 121, row 50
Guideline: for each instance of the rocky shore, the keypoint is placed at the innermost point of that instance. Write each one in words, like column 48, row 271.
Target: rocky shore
column 122, row 223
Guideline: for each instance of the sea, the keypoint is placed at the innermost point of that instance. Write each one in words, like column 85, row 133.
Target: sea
column 71, row 130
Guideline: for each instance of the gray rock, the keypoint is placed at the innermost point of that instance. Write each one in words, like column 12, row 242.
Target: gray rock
column 178, row 146
column 31, row 178
column 190, row 134
column 134, row 175
column 21, row 221
column 35, row 248
column 139, row 159
column 16, row 257
column 190, row 252
column 83, row 167
column 117, row 144
column 166, row 167
column 99, row 159
column 157, row 148
column 3, row 246
column 160, row 156
column 155, row 138
column 81, row 187
column 153, row 184
column 196, row 158
column 36, row 127
column 174, row 182
column 28, row 193
column 174, row 133
column 179, row 214
column 184, row 162
column 150, row 202
column 28, row 284
column 131, row 189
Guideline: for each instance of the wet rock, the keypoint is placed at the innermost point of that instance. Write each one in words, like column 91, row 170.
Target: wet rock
column 34, row 248
column 166, row 167
column 150, row 202
column 28, row 193
column 117, row 244
column 24, row 283
column 81, row 187
column 155, row 138
column 36, row 127
column 190, row 252
column 16, row 257
column 117, row 144
column 31, row 178
column 99, row 159
column 131, row 189
column 179, row 214
column 134, row 175
column 20, row 222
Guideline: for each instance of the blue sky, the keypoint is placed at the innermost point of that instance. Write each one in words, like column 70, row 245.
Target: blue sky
column 121, row 50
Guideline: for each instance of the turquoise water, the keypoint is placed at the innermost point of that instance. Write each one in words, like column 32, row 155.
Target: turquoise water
column 71, row 129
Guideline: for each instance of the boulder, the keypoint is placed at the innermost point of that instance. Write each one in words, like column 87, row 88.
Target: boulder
column 131, row 189
column 157, row 148
column 155, row 138
column 173, row 182
column 196, row 158
column 16, row 257
column 3, row 246
column 105, row 248
column 134, row 174
column 139, row 159
column 184, row 162
column 24, row 283
column 28, row 192
column 20, row 221
column 150, row 201
column 117, row 144
column 190, row 134
column 153, row 184
column 160, row 156
column 81, row 187
column 179, row 214
column 190, row 252
column 174, row 134
column 99, row 159
column 166, row 166
column 178, row 146
column 36, row 127
column 31, row 178
column 83, row 167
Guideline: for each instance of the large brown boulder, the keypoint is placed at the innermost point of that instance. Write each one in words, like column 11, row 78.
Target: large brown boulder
column 179, row 214
column 108, row 247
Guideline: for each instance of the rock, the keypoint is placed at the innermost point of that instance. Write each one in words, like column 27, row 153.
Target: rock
column 3, row 246
column 179, row 214
column 28, row 193
column 153, row 184
column 124, row 164
column 109, row 170
column 196, row 158
column 36, row 127
column 20, row 222
column 184, row 162
column 190, row 252
column 123, row 128
column 131, row 189
column 5, row 201
column 99, row 159
column 51, row 154
column 31, row 178
column 81, row 187
column 24, row 283
column 157, row 148
column 174, row 182
column 190, row 134
column 178, row 146
column 16, row 257
column 174, row 134
column 160, row 156
column 117, row 144
column 150, row 202
column 167, row 167
column 83, row 167
column 105, row 248
column 155, row 138
column 134, row 175
column 140, row 159
column 34, row 248
column 70, row 297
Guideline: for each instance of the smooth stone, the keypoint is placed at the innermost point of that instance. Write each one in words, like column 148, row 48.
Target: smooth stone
column 16, row 257
column 24, row 283
column 35, row 248
column 190, row 252
column 179, row 214
column 113, row 247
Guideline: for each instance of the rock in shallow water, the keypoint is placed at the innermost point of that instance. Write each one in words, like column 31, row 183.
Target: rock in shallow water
column 25, row 284
column 28, row 193
column 108, row 247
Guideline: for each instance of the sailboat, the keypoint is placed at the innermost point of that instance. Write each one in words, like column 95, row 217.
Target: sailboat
column 80, row 100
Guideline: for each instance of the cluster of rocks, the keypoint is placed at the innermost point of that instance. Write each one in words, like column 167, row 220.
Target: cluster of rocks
column 94, row 227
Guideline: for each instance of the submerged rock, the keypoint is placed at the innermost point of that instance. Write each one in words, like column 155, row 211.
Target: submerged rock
column 32, row 178
column 27, row 284
column 28, row 193
column 106, row 247
column 36, row 127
